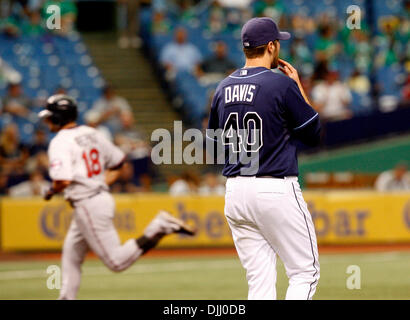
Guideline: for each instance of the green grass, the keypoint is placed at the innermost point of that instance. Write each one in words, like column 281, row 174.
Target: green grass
column 383, row 276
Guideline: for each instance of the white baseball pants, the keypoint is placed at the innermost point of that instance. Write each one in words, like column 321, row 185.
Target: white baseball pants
column 269, row 217
column 92, row 228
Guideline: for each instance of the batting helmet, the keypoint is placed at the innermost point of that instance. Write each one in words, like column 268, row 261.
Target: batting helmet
column 60, row 109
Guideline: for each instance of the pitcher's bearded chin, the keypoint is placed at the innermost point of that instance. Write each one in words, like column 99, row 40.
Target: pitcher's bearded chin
column 275, row 63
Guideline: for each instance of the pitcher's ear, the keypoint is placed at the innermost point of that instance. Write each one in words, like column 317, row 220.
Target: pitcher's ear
column 271, row 46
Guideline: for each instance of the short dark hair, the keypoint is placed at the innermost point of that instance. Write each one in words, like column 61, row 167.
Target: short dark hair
column 12, row 85
column 107, row 88
column 252, row 53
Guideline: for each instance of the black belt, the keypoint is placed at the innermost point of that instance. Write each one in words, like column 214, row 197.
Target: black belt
column 275, row 177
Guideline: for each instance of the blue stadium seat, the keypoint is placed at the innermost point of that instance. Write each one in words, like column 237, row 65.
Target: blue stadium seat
column 46, row 64
column 389, row 78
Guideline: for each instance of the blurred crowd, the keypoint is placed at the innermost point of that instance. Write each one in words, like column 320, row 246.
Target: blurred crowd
column 192, row 183
column 343, row 70
column 336, row 64
column 24, row 166
column 24, row 162
column 396, row 179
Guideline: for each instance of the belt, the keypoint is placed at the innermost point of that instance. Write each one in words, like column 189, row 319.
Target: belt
column 274, row 177
column 270, row 177
column 265, row 177
column 72, row 202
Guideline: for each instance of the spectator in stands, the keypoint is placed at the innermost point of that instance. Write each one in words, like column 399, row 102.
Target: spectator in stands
column 128, row 23
column 270, row 8
column 186, row 10
column 110, row 107
column 358, row 46
column 406, row 11
column 8, row 74
column 10, row 26
column 130, row 140
column 180, row 55
column 3, row 183
column 33, row 25
column 216, row 21
column 301, row 56
column 238, row 4
column 186, row 184
column 320, row 72
column 359, row 83
column 39, row 163
column 33, row 5
column 170, row 6
column 360, row 87
column 125, row 183
column 406, row 91
column 326, row 47
column 160, row 23
column 404, row 27
column 216, row 67
column 145, row 183
column 13, row 154
column 236, row 17
column 332, row 98
column 307, row 84
column 135, row 146
column 228, row 16
column 387, row 43
column 60, row 90
column 16, row 102
column 35, row 186
column 394, row 180
column 39, row 144
column 211, row 185
column 302, row 25
column 92, row 119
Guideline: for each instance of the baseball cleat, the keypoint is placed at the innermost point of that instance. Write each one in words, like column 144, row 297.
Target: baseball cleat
column 166, row 223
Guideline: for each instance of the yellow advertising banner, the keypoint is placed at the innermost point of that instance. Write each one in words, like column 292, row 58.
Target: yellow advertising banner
column 339, row 217
column 360, row 217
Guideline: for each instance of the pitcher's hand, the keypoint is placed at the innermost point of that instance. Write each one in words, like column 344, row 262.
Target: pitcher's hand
column 289, row 70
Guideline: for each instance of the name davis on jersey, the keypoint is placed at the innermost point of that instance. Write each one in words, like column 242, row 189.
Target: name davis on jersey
column 240, row 93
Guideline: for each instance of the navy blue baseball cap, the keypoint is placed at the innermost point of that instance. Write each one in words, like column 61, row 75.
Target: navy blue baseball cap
column 260, row 31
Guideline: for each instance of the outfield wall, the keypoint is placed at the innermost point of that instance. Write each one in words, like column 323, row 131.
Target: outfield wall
column 340, row 218
column 373, row 157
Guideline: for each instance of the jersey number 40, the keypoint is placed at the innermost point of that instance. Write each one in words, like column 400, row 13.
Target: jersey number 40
column 249, row 138
column 92, row 162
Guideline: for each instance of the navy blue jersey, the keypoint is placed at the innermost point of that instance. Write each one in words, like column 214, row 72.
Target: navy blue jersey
column 267, row 108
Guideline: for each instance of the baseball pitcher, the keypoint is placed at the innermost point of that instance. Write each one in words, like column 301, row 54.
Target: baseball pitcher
column 263, row 116
column 83, row 164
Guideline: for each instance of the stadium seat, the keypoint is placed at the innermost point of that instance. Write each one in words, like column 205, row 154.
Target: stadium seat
column 45, row 64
